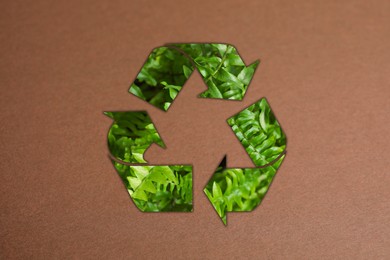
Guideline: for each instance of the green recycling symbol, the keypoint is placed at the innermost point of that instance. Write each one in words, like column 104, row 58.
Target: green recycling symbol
column 168, row 188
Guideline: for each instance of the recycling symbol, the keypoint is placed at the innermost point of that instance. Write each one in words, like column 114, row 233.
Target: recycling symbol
column 168, row 188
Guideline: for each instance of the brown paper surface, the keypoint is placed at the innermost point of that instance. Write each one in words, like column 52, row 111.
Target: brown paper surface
column 325, row 70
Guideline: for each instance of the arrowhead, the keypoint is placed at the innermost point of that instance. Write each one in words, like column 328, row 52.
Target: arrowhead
column 222, row 69
column 214, row 193
column 131, row 134
column 167, row 68
column 239, row 189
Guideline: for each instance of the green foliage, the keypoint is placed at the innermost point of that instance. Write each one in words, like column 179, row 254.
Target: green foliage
column 167, row 69
column 222, row 69
column 158, row 188
column 162, row 77
column 243, row 189
column 130, row 135
column 239, row 189
column 259, row 132
column 152, row 188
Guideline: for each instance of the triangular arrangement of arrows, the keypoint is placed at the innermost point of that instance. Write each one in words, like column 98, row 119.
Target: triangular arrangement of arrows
column 162, row 188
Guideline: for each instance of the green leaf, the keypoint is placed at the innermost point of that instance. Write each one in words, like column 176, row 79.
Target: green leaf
column 138, row 157
column 187, row 71
column 134, row 89
column 233, row 60
column 148, row 78
column 134, row 182
column 167, row 105
column 168, row 173
column 221, row 48
column 246, row 74
column 140, row 171
column 216, row 190
column 225, row 76
column 140, row 194
column 157, row 176
column 173, row 93
column 213, row 91
column 148, row 186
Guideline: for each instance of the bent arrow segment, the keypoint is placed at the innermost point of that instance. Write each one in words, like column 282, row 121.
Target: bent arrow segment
column 158, row 188
column 153, row 188
column 130, row 135
column 167, row 69
column 239, row 189
column 242, row 189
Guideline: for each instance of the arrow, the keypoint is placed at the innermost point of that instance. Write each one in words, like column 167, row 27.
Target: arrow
column 242, row 189
column 167, row 68
column 153, row 188
column 222, row 69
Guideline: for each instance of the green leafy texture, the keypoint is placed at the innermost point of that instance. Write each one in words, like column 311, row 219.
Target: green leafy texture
column 235, row 190
column 167, row 69
column 158, row 188
column 162, row 77
column 152, row 188
column 130, row 135
column 222, row 69
column 259, row 132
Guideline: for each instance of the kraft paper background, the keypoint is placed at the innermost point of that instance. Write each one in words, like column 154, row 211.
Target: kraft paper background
column 325, row 70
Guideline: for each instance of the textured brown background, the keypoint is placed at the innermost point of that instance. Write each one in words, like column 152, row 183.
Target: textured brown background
column 325, row 70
